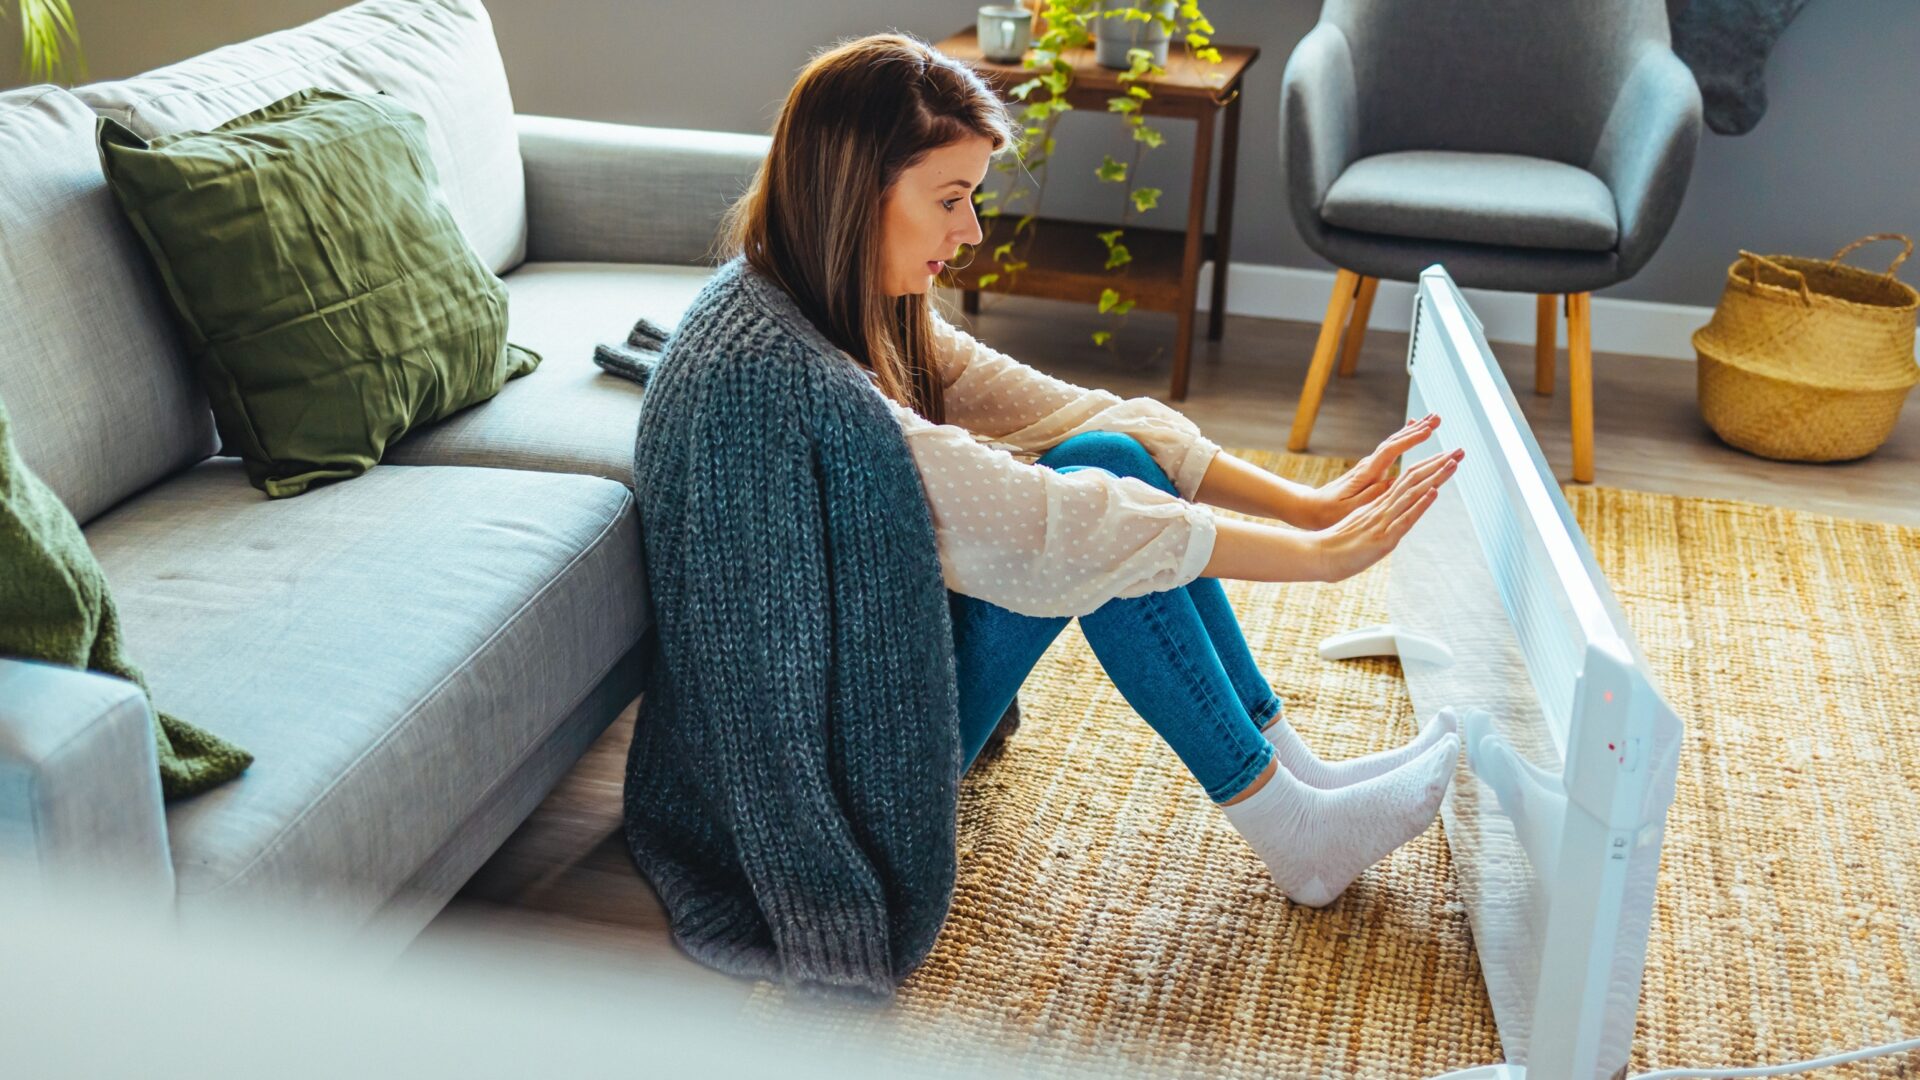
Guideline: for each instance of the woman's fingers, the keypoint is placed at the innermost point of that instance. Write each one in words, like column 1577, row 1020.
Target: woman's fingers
column 1417, row 481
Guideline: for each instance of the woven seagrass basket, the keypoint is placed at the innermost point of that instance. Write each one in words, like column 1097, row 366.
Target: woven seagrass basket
column 1808, row 359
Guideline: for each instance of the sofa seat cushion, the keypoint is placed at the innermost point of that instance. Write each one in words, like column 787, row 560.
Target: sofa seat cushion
column 436, row 57
column 1503, row 199
column 569, row 414
column 389, row 649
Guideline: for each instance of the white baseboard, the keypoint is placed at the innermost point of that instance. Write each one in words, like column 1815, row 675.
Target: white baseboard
column 1637, row 327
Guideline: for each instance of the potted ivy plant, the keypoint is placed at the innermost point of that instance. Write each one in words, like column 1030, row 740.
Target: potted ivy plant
column 42, row 57
column 1136, row 35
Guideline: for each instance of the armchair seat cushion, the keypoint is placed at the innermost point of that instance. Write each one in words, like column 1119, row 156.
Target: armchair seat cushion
column 1499, row 199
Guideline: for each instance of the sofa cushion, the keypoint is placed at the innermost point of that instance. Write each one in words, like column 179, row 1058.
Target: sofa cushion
column 437, row 57
column 103, row 399
column 387, row 648
column 569, row 415
column 1502, row 199
column 327, row 296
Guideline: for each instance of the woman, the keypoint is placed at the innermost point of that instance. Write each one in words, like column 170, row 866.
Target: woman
column 1051, row 501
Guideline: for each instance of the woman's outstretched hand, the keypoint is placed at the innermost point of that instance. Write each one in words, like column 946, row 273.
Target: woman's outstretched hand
column 1368, row 479
column 1366, row 535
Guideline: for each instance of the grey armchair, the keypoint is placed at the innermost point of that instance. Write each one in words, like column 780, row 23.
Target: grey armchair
column 1528, row 145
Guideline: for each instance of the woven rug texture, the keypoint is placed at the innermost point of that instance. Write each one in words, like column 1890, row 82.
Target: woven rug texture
column 1106, row 911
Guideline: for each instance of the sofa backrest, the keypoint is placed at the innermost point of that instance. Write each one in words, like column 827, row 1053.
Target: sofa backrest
column 103, row 399
column 437, row 57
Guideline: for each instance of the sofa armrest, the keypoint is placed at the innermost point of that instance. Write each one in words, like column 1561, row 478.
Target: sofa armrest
column 80, row 800
column 599, row 192
column 1319, row 118
column 1645, row 154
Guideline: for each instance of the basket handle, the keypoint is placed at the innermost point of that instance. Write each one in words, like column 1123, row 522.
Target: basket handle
column 1897, row 259
column 1755, row 262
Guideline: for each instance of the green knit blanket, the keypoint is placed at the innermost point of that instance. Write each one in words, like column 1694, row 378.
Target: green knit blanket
column 55, row 607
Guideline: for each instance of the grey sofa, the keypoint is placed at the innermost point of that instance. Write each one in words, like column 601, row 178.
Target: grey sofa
column 414, row 656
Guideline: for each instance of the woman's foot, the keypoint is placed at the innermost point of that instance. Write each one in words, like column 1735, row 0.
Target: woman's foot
column 1311, row 770
column 1315, row 842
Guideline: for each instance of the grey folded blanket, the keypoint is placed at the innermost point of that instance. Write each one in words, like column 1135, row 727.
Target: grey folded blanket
column 635, row 357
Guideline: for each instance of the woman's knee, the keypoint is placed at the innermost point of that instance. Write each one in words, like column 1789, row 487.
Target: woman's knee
column 1115, row 451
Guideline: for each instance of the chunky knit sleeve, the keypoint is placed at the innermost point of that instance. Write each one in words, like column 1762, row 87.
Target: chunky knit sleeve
column 1042, row 542
column 993, row 394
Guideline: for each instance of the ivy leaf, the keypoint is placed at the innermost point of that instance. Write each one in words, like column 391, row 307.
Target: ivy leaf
column 1189, row 10
column 1122, row 105
column 1145, row 199
column 1014, row 267
column 1101, row 337
column 990, row 212
column 1199, row 22
column 1197, row 40
column 984, row 196
column 1108, row 298
column 985, row 280
column 1047, row 147
column 1021, row 91
column 1002, row 251
column 1022, row 223
column 1110, row 236
column 1210, row 55
column 1140, row 92
column 1056, row 81
column 1037, row 110
column 1110, row 170
column 1118, row 255
column 1123, row 307
column 1150, row 136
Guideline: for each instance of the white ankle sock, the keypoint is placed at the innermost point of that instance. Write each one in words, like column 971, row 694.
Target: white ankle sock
column 1307, row 767
column 1315, row 842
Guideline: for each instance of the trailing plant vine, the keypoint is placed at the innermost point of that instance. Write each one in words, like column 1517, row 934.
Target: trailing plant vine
column 1070, row 24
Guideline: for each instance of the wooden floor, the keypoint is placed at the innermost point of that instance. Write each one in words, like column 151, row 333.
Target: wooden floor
column 565, row 882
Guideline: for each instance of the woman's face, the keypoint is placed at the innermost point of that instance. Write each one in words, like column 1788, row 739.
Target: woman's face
column 928, row 212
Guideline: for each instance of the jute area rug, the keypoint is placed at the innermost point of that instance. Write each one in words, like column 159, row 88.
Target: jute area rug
column 1104, row 907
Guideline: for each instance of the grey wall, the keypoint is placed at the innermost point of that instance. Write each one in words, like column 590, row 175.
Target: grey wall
column 1835, row 157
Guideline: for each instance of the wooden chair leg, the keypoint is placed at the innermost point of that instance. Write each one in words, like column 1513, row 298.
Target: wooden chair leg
column 1580, row 382
column 1357, row 326
column 1546, row 343
column 1344, row 285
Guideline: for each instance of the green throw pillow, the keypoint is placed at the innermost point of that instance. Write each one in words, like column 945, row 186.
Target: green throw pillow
column 330, row 302
column 54, row 607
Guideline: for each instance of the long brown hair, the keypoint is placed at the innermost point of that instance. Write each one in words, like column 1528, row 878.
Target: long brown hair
column 860, row 113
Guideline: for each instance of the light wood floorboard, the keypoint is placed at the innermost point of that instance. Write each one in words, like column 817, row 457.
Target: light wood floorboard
column 564, row 880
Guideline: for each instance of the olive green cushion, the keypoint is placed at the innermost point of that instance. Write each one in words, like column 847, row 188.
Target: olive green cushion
column 328, row 298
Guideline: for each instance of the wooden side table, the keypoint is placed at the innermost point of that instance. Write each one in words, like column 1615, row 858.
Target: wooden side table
column 1165, row 272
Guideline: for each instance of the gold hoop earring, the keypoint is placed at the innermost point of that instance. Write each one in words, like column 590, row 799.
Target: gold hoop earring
column 972, row 254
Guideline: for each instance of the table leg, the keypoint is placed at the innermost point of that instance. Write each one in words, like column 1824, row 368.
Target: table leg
column 1190, row 263
column 970, row 301
column 1223, row 219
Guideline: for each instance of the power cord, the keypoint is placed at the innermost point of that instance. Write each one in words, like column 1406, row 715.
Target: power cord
column 1789, row 1067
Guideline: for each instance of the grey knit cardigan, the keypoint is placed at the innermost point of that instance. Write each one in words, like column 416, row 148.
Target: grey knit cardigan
column 792, row 784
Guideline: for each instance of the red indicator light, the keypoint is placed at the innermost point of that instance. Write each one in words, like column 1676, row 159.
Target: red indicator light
column 1608, row 695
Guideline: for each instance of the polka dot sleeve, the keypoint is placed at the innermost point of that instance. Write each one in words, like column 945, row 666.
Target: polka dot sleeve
column 1042, row 542
column 993, row 394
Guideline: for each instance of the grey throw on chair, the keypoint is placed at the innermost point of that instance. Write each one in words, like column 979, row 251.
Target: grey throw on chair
column 1535, row 146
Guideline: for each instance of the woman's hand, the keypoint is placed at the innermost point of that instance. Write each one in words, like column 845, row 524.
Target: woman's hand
column 1367, row 480
column 1364, row 536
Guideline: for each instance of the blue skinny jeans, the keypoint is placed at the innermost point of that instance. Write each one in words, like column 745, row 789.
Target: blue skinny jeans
column 1177, row 655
